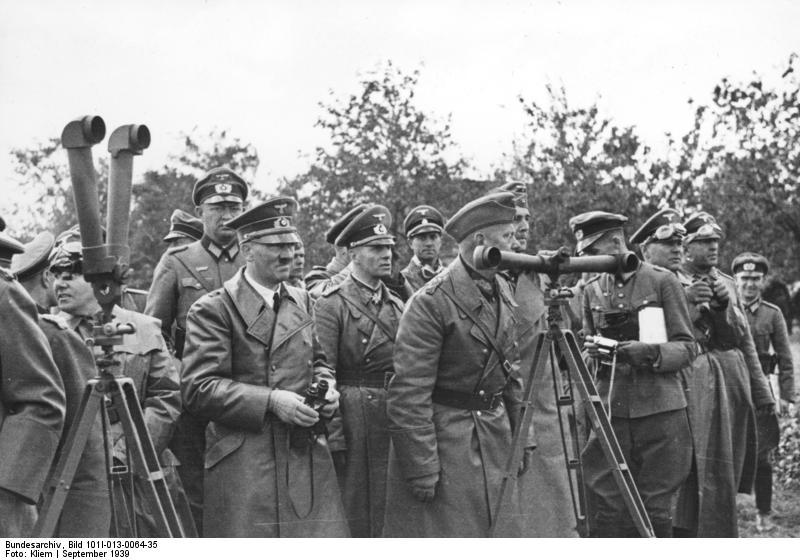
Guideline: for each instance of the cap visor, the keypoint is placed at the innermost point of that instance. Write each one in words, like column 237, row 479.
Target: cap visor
column 217, row 198
column 427, row 228
column 276, row 238
column 587, row 241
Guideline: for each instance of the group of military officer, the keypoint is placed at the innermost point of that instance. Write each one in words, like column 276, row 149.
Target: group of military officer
column 358, row 402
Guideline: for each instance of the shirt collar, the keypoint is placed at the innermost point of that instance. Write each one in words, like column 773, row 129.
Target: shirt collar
column 230, row 250
column 753, row 306
column 262, row 290
column 368, row 293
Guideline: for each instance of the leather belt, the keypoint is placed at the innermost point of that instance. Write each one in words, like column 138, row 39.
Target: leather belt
column 467, row 401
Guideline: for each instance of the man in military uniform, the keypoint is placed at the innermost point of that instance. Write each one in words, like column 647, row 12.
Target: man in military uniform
column 182, row 276
column 86, row 511
column 357, row 324
column 32, row 402
column 646, row 403
column 298, row 266
column 769, row 331
column 706, row 505
column 723, row 318
column 183, row 229
column 423, row 227
column 320, row 278
column 251, row 352
column 142, row 356
column 456, row 393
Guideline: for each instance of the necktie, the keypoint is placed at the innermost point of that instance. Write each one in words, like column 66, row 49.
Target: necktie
column 276, row 302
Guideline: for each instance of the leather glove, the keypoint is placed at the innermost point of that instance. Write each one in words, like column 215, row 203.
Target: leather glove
column 637, row 354
column 721, row 294
column 289, row 407
column 329, row 409
column 527, row 456
column 699, row 292
column 424, row 487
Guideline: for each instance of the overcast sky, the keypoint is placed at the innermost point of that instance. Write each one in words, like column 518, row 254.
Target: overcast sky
column 259, row 68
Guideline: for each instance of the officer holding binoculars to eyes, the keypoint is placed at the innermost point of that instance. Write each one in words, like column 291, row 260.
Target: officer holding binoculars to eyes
column 647, row 405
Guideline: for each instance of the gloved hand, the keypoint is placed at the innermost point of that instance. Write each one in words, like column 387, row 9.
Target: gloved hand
column 289, row 407
column 328, row 410
column 424, row 487
column 699, row 292
column 527, row 456
column 721, row 294
column 591, row 349
column 637, row 354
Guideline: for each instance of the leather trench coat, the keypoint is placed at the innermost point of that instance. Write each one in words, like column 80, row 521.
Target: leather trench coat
column 438, row 346
column 237, row 352
column 361, row 353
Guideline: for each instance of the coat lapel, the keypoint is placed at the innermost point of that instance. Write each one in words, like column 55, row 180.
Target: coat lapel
column 291, row 318
column 191, row 267
column 464, row 289
column 251, row 307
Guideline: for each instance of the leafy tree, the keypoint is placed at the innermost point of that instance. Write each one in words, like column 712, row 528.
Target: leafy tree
column 575, row 160
column 383, row 149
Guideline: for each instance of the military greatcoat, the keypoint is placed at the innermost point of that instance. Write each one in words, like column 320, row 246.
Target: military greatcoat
column 439, row 348
column 237, row 352
column 32, row 407
column 361, row 353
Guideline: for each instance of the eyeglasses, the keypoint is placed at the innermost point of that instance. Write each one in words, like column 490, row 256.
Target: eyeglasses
column 68, row 270
column 667, row 231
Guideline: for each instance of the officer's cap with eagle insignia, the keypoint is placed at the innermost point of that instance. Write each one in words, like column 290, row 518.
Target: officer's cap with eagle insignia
column 219, row 185
column 269, row 223
column 590, row 226
column 336, row 229
column 750, row 262
column 370, row 227
column 701, row 226
column 664, row 225
column 423, row 219
column 492, row 209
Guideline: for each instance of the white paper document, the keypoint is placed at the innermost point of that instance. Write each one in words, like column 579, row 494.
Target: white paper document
column 652, row 328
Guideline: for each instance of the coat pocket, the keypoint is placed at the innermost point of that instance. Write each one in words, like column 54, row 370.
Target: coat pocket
column 216, row 450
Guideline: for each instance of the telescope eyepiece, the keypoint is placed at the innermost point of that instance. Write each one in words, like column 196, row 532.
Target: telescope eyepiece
column 129, row 138
column 83, row 132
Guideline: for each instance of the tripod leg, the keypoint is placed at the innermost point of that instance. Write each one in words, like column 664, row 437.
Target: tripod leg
column 520, row 433
column 605, row 433
column 145, row 461
column 566, row 398
column 60, row 479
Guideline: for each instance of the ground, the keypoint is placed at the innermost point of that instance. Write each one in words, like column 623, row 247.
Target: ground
column 785, row 501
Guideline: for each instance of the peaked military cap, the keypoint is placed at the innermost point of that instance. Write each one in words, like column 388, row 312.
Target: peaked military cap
column 35, row 258
column 183, row 224
column 271, row 222
column 423, row 219
column 336, row 229
column 8, row 245
column 590, row 226
column 700, row 226
column 750, row 262
column 370, row 227
column 661, row 226
column 220, row 185
column 489, row 210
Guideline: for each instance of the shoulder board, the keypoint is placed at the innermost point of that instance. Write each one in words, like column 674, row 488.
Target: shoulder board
column 770, row 305
column 6, row 275
column 60, row 322
column 660, row 268
column 173, row 250
column 319, row 268
column 723, row 275
column 331, row 289
column 434, row 283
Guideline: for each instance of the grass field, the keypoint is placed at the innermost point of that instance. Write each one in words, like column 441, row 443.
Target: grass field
column 785, row 501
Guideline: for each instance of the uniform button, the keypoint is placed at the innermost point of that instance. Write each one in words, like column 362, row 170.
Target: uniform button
column 621, row 305
column 485, row 351
column 620, row 285
column 367, row 360
column 363, row 341
column 310, row 363
column 481, row 392
column 478, row 413
column 620, row 294
column 274, row 367
column 369, row 397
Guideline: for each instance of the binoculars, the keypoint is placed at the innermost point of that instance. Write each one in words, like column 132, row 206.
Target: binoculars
column 559, row 263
